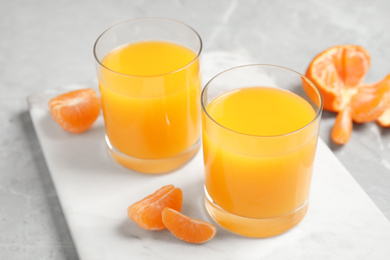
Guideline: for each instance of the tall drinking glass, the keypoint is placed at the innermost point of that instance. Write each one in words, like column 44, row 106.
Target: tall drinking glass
column 150, row 83
column 260, row 131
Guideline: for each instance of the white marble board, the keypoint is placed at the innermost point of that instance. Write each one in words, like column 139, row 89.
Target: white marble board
column 94, row 191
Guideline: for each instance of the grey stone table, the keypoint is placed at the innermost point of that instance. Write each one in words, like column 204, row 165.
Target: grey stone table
column 48, row 44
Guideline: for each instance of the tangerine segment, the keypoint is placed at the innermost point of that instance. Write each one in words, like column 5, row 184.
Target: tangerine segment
column 75, row 111
column 384, row 119
column 337, row 72
column 370, row 102
column 187, row 229
column 342, row 128
column 147, row 213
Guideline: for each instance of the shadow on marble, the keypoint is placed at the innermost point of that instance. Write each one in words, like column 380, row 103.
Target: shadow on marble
column 327, row 114
column 384, row 131
column 328, row 117
column 62, row 234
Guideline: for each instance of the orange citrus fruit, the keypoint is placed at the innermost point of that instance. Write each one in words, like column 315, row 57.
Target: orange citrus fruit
column 338, row 73
column 187, row 229
column 369, row 103
column 342, row 128
column 384, row 118
column 75, row 111
column 147, row 213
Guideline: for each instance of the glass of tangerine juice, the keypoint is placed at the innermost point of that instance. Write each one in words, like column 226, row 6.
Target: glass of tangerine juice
column 260, row 129
column 150, row 83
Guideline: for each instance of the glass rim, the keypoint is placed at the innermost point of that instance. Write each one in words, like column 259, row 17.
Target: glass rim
column 149, row 18
column 318, row 111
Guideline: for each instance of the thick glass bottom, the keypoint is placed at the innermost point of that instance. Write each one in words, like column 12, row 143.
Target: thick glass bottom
column 151, row 166
column 251, row 227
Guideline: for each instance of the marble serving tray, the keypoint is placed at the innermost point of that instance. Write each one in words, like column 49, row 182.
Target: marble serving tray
column 94, row 191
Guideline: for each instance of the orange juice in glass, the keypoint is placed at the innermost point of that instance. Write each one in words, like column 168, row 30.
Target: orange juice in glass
column 149, row 80
column 260, row 131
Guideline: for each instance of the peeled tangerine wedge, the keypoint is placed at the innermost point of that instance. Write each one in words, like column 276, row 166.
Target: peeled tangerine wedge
column 75, row 111
column 187, row 229
column 147, row 213
column 370, row 102
column 342, row 128
column 384, row 118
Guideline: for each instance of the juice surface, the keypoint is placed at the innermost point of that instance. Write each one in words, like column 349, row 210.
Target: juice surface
column 261, row 111
column 150, row 95
column 148, row 58
column 241, row 175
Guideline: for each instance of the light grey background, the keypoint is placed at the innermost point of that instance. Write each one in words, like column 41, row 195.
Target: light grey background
column 48, row 44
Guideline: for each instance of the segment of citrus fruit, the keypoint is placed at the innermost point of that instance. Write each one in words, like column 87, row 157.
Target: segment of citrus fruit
column 342, row 128
column 338, row 73
column 187, row 229
column 384, row 118
column 75, row 111
column 370, row 102
column 147, row 213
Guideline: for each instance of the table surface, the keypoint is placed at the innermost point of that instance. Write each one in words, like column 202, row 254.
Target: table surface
column 48, row 44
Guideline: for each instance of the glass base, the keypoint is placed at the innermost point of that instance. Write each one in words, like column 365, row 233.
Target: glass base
column 153, row 166
column 251, row 227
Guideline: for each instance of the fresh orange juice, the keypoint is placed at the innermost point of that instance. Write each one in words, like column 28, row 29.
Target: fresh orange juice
column 257, row 164
column 150, row 98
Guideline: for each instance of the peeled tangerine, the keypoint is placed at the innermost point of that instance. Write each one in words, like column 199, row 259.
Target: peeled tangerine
column 161, row 210
column 187, row 229
column 384, row 118
column 147, row 213
column 75, row 111
column 338, row 73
